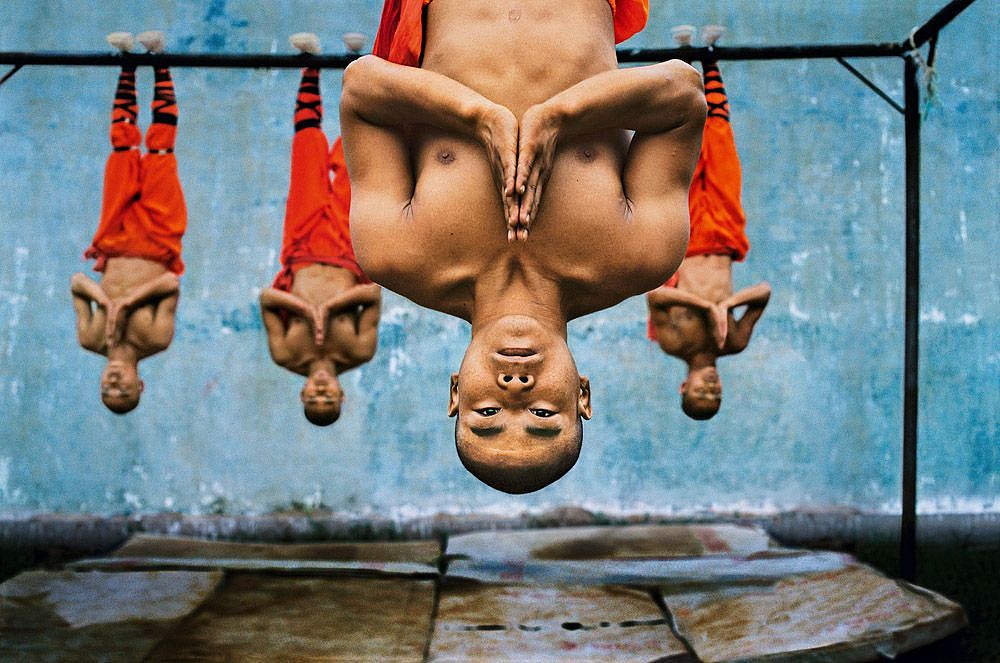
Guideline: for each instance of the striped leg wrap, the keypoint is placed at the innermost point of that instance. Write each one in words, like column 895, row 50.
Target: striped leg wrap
column 308, row 103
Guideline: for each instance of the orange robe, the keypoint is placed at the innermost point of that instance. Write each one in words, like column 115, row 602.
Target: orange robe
column 143, row 213
column 401, row 29
column 718, row 223
column 317, row 228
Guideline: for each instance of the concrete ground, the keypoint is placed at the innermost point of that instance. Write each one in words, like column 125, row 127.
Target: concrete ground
column 696, row 592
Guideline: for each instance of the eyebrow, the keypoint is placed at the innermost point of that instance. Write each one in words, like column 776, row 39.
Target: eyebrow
column 545, row 431
column 487, row 431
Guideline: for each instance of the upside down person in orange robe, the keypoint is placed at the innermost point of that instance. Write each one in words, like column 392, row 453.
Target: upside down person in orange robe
column 129, row 315
column 691, row 315
column 321, row 313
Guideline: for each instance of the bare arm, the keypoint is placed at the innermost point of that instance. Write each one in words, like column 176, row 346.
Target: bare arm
column 664, row 297
column 367, row 330
column 153, row 292
column 165, row 284
column 379, row 99
column 273, row 301
column 663, row 101
column 367, row 296
column 159, row 335
column 670, row 337
column 755, row 298
column 91, row 304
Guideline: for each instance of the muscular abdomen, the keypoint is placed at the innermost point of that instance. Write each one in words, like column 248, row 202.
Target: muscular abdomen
column 464, row 38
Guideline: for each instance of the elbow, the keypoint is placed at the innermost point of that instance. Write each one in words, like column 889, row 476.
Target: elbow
column 356, row 80
column 683, row 83
column 685, row 77
column 77, row 283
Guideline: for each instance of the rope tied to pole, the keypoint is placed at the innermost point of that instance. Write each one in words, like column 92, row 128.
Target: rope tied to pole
column 928, row 72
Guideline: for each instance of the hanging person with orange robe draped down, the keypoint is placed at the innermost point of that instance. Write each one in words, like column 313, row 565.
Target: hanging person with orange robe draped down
column 692, row 315
column 321, row 313
column 129, row 315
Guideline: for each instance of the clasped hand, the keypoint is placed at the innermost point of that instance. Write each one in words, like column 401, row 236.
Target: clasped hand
column 521, row 157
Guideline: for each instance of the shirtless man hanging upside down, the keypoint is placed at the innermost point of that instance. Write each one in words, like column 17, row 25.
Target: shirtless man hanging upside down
column 692, row 316
column 129, row 315
column 499, row 183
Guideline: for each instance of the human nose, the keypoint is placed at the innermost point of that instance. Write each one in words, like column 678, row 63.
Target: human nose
column 515, row 382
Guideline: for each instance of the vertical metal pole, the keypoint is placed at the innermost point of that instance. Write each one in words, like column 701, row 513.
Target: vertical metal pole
column 908, row 524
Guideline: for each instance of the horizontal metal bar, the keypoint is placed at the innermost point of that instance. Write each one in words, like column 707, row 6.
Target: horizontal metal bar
column 339, row 61
column 219, row 60
column 793, row 52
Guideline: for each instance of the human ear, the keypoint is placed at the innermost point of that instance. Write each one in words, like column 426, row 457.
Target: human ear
column 453, row 396
column 583, row 402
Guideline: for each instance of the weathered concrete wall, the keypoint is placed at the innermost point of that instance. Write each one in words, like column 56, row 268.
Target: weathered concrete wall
column 813, row 408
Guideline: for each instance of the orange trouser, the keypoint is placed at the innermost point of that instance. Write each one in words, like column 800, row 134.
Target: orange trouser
column 143, row 213
column 401, row 28
column 317, row 228
column 718, row 224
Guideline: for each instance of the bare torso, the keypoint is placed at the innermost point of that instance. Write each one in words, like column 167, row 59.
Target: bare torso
column 685, row 331
column 122, row 275
column 687, row 320
column 455, row 248
column 709, row 277
column 145, row 328
column 343, row 341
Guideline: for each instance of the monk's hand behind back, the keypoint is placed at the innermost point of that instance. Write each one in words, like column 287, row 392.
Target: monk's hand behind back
column 497, row 131
column 536, row 148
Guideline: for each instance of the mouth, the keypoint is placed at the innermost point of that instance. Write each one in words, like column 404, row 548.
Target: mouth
column 517, row 352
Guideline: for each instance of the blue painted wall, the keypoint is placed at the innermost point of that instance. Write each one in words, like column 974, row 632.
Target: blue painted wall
column 813, row 408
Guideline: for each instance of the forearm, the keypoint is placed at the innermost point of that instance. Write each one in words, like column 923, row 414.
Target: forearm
column 162, row 332
column 163, row 286
column 86, row 289
column 366, row 295
column 90, row 329
column 272, row 299
column 665, row 297
column 391, row 95
column 650, row 99
column 756, row 296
